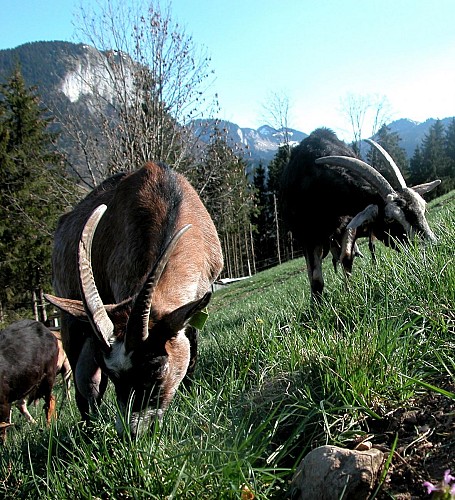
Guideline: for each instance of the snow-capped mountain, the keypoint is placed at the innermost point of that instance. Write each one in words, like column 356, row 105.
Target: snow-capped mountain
column 256, row 144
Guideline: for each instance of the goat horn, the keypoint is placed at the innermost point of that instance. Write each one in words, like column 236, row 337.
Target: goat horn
column 94, row 307
column 366, row 171
column 392, row 166
column 348, row 244
column 139, row 317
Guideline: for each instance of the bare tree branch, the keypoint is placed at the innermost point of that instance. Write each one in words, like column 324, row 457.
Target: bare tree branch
column 276, row 113
column 147, row 86
column 368, row 109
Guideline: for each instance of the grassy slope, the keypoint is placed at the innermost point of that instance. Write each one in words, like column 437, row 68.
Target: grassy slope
column 274, row 380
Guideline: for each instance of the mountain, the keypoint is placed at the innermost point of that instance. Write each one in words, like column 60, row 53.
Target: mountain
column 412, row 133
column 264, row 142
column 64, row 74
column 257, row 144
column 53, row 67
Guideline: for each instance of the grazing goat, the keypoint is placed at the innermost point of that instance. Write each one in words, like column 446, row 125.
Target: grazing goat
column 139, row 280
column 28, row 366
column 324, row 183
column 63, row 368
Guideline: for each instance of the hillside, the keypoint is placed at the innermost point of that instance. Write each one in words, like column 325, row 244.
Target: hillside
column 275, row 379
column 43, row 64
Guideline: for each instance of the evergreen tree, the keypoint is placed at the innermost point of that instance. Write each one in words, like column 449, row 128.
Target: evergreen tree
column 449, row 180
column 435, row 159
column 33, row 191
column 262, row 219
column 450, row 140
column 279, row 237
column 390, row 142
column 418, row 172
column 276, row 167
column 434, row 151
column 223, row 186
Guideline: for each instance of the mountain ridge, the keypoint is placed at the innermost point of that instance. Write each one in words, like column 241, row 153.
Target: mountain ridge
column 61, row 72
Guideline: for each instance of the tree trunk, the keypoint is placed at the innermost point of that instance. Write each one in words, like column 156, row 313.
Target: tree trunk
column 42, row 306
column 277, row 227
column 253, row 255
column 35, row 305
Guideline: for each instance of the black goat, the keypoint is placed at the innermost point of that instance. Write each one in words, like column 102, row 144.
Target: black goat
column 28, row 365
column 324, row 183
column 63, row 368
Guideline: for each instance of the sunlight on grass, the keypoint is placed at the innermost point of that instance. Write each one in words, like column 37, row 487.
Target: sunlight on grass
column 276, row 377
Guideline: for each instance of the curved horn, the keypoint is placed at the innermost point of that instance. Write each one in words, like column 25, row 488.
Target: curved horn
column 139, row 317
column 367, row 216
column 366, row 171
column 94, row 307
column 392, row 166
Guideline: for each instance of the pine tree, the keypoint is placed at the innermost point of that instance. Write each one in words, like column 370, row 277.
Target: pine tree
column 390, row 142
column 33, row 191
column 449, row 181
column 435, row 159
column 418, row 172
column 223, row 186
column 262, row 218
column 276, row 167
column 281, row 241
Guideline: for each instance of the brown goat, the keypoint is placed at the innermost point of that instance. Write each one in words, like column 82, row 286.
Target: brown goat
column 153, row 258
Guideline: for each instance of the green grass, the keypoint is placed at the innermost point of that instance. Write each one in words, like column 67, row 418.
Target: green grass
column 275, row 379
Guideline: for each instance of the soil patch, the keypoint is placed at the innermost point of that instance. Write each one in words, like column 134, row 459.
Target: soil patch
column 426, row 444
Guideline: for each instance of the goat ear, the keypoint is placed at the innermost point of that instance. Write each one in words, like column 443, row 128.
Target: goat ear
column 427, row 187
column 179, row 318
column 71, row 306
column 76, row 307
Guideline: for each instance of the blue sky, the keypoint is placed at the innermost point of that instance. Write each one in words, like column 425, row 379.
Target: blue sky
column 315, row 52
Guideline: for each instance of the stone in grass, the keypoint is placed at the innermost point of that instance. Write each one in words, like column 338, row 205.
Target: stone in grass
column 330, row 473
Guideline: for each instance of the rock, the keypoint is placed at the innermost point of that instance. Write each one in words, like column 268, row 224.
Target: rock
column 330, row 473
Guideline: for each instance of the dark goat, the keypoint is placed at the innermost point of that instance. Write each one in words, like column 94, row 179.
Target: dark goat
column 28, row 365
column 324, row 183
column 154, row 257
column 63, row 368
